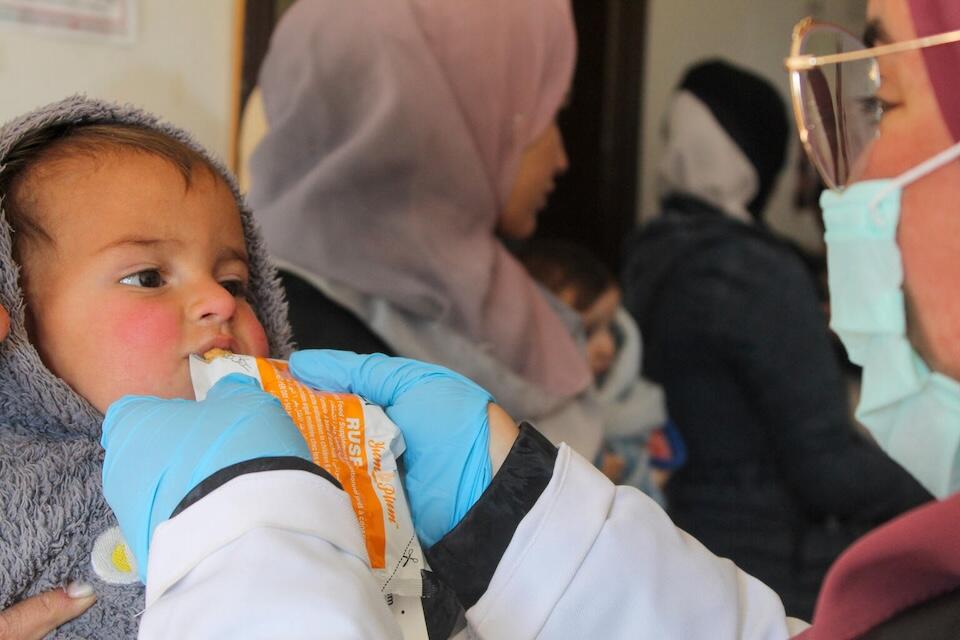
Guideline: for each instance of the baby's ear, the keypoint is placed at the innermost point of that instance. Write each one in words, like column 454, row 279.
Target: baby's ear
column 4, row 323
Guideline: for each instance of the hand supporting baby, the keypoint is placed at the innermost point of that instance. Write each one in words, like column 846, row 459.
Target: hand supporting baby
column 33, row 618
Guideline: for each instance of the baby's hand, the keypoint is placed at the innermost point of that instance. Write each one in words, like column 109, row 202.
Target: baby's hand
column 612, row 466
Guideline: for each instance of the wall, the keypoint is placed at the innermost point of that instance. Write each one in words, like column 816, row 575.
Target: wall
column 180, row 67
column 753, row 33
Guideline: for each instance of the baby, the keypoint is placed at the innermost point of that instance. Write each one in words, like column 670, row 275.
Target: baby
column 124, row 250
column 640, row 445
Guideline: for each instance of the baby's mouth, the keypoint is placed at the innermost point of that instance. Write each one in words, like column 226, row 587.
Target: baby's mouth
column 217, row 346
column 215, row 353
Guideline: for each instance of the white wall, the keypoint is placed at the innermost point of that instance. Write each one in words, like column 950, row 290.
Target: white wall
column 179, row 67
column 752, row 33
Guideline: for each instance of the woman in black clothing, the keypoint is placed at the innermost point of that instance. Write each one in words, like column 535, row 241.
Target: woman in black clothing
column 777, row 477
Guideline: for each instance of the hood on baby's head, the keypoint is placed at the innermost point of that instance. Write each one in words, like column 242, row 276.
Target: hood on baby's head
column 31, row 397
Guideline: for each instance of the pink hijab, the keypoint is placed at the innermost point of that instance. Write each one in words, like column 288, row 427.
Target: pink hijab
column 931, row 17
column 395, row 132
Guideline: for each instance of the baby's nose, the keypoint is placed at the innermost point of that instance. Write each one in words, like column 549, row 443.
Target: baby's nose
column 212, row 302
column 608, row 345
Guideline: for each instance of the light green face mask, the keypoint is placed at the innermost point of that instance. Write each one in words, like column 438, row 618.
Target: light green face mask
column 913, row 412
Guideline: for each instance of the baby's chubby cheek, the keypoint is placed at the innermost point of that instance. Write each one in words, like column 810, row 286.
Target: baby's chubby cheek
column 249, row 333
column 142, row 351
column 150, row 332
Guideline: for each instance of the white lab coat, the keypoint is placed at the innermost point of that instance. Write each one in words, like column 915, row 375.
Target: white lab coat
column 279, row 554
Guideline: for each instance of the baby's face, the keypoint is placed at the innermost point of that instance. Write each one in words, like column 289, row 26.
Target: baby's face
column 142, row 273
column 598, row 325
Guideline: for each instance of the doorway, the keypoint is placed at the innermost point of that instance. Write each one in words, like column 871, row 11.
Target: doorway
column 595, row 203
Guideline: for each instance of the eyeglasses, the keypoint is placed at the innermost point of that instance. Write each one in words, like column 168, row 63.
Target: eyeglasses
column 834, row 79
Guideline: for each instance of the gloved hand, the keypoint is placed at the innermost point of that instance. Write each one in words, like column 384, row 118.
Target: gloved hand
column 443, row 417
column 158, row 450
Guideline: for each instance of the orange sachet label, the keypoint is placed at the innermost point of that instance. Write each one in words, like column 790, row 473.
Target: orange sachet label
column 333, row 426
column 358, row 445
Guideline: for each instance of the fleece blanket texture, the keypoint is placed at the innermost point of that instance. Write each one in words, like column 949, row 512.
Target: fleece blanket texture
column 52, row 511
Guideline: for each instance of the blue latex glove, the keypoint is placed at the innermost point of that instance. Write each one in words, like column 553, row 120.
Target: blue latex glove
column 158, row 450
column 443, row 417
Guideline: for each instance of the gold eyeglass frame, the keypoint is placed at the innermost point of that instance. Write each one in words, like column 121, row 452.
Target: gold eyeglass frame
column 797, row 63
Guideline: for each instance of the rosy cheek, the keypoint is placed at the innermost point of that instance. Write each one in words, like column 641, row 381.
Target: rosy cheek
column 136, row 347
column 258, row 343
column 144, row 328
column 250, row 335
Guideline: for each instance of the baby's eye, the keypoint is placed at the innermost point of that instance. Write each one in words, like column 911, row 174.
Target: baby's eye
column 148, row 279
column 236, row 288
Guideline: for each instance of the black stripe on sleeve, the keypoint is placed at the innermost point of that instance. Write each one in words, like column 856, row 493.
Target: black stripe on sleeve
column 467, row 557
column 257, row 465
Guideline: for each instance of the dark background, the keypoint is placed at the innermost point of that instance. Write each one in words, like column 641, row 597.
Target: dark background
column 595, row 202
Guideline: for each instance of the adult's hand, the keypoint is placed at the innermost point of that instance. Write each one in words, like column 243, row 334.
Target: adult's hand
column 35, row 617
column 157, row 450
column 446, row 422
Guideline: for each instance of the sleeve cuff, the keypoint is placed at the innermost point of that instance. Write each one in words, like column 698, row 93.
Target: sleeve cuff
column 289, row 500
column 467, row 557
column 257, row 465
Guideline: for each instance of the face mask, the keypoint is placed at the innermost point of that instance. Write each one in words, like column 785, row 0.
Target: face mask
column 913, row 412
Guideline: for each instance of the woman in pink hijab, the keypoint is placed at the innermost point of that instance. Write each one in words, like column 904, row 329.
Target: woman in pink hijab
column 405, row 138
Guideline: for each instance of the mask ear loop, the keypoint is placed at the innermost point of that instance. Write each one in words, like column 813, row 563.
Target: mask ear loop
column 912, row 175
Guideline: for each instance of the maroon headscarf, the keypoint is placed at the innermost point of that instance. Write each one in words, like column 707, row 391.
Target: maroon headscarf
column 908, row 561
column 931, row 17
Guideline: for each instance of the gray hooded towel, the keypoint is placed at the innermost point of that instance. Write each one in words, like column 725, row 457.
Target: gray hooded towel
column 56, row 525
